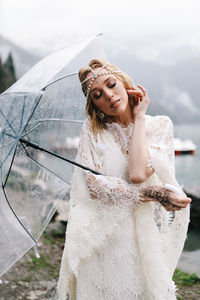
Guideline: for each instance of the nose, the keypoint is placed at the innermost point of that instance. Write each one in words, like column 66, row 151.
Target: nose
column 109, row 94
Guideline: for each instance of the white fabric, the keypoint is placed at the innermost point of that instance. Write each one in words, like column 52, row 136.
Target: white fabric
column 116, row 246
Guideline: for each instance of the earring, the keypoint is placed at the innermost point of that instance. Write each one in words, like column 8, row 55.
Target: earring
column 100, row 115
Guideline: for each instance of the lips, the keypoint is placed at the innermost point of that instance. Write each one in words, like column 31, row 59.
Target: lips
column 114, row 104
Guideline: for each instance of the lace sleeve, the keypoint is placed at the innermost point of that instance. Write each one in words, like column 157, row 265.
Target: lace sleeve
column 169, row 142
column 105, row 189
column 161, row 141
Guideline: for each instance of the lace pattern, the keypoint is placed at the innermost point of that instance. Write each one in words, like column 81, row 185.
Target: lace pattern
column 113, row 272
column 112, row 191
column 108, row 190
column 122, row 136
column 106, row 210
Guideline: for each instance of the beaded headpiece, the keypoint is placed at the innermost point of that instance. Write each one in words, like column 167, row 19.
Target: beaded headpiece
column 95, row 76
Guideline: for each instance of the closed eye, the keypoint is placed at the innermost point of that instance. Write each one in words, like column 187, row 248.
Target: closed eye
column 97, row 95
column 112, row 84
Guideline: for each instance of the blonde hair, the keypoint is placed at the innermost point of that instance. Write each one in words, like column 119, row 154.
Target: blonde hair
column 91, row 110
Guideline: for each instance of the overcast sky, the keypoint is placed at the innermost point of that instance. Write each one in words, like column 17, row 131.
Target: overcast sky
column 50, row 24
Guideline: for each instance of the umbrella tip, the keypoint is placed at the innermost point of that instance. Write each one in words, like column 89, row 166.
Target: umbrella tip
column 37, row 255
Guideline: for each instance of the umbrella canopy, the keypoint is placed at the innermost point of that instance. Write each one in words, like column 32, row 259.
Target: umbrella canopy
column 43, row 110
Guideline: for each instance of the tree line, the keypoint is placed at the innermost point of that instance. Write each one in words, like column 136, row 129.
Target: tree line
column 7, row 73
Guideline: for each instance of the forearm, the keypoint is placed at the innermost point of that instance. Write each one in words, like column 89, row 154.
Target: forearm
column 112, row 191
column 138, row 153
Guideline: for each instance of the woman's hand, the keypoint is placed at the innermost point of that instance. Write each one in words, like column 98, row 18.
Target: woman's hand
column 170, row 200
column 141, row 100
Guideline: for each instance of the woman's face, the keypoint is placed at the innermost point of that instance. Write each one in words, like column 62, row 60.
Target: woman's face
column 108, row 94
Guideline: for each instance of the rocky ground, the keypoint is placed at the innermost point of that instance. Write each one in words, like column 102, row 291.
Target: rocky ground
column 31, row 278
column 35, row 279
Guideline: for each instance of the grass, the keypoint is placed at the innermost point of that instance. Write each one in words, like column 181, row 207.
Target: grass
column 182, row 278
column 46, row 264
column 39, row 264
column 27, row 279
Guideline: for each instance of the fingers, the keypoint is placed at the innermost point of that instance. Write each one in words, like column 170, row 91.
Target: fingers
column 180, row 200
column 137, row 95
column 186, row 201
column 143, row 90
column 134, row 92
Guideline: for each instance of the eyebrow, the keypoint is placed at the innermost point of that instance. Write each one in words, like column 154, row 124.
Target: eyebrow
column 104, row 82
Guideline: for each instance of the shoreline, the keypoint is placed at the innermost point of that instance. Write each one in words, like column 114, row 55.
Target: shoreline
column 189, row 262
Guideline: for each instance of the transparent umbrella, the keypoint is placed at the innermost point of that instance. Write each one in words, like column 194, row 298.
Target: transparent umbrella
column 40, row 120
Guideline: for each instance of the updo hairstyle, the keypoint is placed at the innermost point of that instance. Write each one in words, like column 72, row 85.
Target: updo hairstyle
column 98, row 123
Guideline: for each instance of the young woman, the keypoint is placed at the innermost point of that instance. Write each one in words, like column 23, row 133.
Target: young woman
column 119, row 241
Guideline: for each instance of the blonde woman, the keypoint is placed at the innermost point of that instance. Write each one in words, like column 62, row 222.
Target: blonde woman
column 119, row 241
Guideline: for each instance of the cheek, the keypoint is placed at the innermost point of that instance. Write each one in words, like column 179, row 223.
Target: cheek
column 121, row 90
column 101, row 105
column 124, row 95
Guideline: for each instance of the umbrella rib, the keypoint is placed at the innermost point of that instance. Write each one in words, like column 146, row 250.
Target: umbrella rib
column 56, row 120
column 42, row 92
column 7, row 156
column 37, row 147
column 22, row 116
column 3, row 187
column 58, row 79
column 42, row 165
column 17, row 216
column 9, row 124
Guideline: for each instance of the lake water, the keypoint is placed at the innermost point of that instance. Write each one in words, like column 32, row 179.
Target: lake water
column 188, row 173
column 188, row 166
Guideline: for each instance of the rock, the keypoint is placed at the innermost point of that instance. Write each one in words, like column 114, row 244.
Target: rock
column 48, row 285
column 35, row 295
column 51, row 294
column 55, row 228
column 194, row 193
column 13, row 286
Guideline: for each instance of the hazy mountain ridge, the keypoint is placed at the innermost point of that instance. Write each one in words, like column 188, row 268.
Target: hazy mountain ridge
column 173, row 88
column 23, row 60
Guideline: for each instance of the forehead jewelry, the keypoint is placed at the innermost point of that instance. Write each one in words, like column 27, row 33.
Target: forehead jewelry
column 95, row 76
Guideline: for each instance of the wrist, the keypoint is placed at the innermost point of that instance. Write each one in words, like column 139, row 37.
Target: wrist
column 139, row 117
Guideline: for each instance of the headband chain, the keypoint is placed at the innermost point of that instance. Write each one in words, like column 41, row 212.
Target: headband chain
column 95, row 76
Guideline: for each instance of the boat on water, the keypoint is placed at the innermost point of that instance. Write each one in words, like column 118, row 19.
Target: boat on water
column 184, row 147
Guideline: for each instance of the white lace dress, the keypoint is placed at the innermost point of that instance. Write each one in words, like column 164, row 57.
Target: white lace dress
column 116, row 246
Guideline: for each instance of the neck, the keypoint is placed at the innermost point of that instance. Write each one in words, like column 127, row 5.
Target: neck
column 126, row 117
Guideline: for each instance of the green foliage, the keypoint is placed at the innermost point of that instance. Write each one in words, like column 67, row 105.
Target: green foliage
column 38, row 264
column 9, row 64
column 7, row 73
column 182, row 278
column 27, row 279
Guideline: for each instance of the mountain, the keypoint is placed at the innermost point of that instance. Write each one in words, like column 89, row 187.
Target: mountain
column 172, row 88
column 23, row 60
